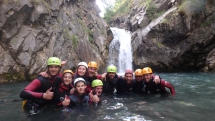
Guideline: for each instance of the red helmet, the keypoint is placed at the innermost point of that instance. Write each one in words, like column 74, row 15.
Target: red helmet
column 128, row 71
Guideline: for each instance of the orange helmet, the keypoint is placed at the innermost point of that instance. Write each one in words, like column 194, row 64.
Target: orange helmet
column 68, row 71
column 93, row 64
column 138, row 72
column 147, row 70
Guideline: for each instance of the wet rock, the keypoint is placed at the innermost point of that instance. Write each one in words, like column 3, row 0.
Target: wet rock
column 33, row 31
column 181, row 41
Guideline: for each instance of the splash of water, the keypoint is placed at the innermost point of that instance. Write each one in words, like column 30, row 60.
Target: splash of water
column 121, row 44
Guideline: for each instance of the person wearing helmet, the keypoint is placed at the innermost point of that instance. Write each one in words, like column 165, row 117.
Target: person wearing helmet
column 92, row 68
column 97, row 86
column 126, row 85
column 139, row 85
column 79, row 97
column 41, row 90
column 65, row 88
column 110, row 82
column 82, row 69
column 92, row 71
column 152, row 87
column 82, row 73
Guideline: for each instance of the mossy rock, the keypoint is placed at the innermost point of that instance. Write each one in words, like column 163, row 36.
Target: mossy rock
column 12, row 77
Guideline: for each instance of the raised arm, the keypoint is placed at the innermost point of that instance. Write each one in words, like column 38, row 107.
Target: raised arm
column 168, row 85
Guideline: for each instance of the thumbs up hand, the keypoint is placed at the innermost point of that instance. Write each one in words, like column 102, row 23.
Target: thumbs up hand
column 157, row 79
column 48, row 95
column 66, row 101
column 95, row 98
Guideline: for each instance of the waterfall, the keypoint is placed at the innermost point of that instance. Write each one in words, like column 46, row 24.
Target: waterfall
column 120, row 45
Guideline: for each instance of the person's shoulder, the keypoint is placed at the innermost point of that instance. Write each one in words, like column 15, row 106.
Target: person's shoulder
column 71, row 97
column 120, row 79
column 134, row 81
column 41, row 78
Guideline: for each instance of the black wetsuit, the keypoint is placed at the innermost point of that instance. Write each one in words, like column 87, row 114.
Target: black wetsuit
column 34, row 91
column 124, row 87
column 138, row 87
column 60, row 92
column 110, row 85
column 90, row 79
column 158, row 88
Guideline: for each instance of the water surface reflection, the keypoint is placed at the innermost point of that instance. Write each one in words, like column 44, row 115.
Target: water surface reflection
column 194, row 101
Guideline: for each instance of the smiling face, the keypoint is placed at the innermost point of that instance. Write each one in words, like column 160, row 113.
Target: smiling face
column 128, row 78
column 82, row 70
column 53, row 70
column 92, row 71
column 147, row 77
column 138, row 78
column 80, row 87
column 98, row 90
column 111, row 75
column 67, row 78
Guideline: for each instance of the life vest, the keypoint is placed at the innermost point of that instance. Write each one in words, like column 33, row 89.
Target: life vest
column 76, row 99
column 47, row 83
column 60, row 92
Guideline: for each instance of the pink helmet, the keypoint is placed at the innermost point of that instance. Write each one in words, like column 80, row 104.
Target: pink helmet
column 128, row 71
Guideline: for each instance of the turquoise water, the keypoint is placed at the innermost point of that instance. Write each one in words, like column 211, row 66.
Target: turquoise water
column 194, row 101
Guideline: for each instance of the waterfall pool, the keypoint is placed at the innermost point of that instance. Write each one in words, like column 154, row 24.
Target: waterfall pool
column 194, row 101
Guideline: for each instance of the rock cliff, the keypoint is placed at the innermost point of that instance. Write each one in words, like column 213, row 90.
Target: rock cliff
column 31, row 31
column 171, row 35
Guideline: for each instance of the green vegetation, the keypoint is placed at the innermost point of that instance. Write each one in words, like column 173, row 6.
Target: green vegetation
column 185, row 8
column 191, row 7
column 121, row 7
column 90, row 34
column 73, row 38
column 44, row 2
column 102, row 32
column 164, row 21
column 109, row 14
column 151, row 10
column 13, row 76
column 157, row 42
column 88, row 31
column 160, row 45
column 90, row 39
column 209, row 21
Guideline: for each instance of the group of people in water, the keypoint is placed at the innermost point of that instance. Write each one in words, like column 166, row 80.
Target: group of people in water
column 85, row 86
